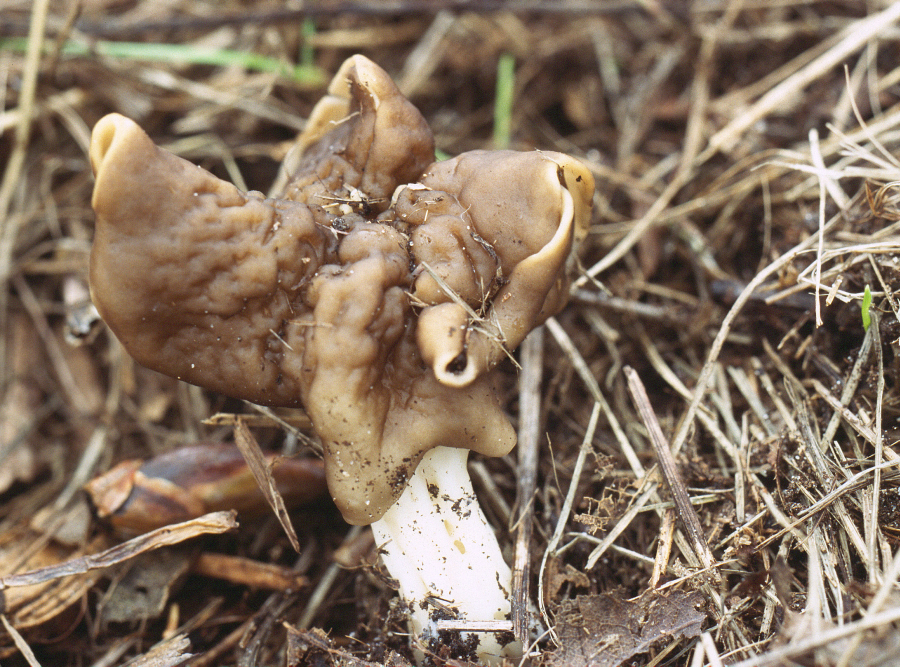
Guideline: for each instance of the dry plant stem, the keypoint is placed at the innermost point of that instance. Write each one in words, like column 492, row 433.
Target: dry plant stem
column 114, row 653
column 63, row 372
column 855, row 36
column 855, row 482
column 872, row 524
column 777, row 656
column 637, row 231
column 422, row 61
column 23, row 128
column 436, row 542
column 248, row 572
column 563, row 519
column 875, row 606
column 532, row 361
column 850, row 385
column 584, row 372
column 20, row 643
column 661, row 657
column 813, row 447
column 320, row 592
column 686, row 511
column 166, row 653
column 709, row 646
column 263, row 622
column 213, row 523
column 9, row 227
column 699, row 655
column 214, row 655
column 581, row 367
column 841, row 411
column 722, row 335
column 696, row 121
column 663, row 547
column 618, row 304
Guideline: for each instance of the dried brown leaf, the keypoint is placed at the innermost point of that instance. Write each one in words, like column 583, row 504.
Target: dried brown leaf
column 31, row 606
column 605, row 630
column 168, row 653
column 559, row 574
column 213, row 523
column 140, row 495
column 143, row 592
column 256, row 461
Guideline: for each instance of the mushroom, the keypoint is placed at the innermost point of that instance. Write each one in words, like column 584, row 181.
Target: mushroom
column 378, row 293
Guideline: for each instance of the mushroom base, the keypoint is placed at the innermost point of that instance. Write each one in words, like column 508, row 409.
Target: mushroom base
column 436, row 542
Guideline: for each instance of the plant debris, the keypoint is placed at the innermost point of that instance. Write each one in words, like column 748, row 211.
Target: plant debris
column 605, row 630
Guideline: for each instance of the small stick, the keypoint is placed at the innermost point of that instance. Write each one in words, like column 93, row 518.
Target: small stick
column 664, row 547
column 565, row 511
column 474, row 626
column 20, row 643
column 619, row 305
column 532, row 360
column 320, row 592
column 670, row 471
column 872, row 524
column 248, row 572
column 213, row 523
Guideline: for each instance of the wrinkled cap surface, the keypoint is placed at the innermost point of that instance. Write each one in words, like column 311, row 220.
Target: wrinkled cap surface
column 495, row 230
column 377, row 293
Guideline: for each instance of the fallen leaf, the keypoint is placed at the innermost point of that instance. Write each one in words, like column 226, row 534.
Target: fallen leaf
column 143, row 592
column 137, row 496
column 167, row 653
column 605, row 630
column 214, row 523
column 262, row 471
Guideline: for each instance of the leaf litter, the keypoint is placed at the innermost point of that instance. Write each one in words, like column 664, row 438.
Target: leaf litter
column 747, row 212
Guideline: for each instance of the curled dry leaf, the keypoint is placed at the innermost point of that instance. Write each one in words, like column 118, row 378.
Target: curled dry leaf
column 137, row 496
column 213, row 523
column 32, row 606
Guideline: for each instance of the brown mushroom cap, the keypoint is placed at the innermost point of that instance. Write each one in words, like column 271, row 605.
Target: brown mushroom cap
column 494, row 229
column 363, row 134
column 195, row 278
column 314, row 299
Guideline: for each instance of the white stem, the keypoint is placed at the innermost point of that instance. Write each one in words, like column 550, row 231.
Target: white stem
column 436, row 543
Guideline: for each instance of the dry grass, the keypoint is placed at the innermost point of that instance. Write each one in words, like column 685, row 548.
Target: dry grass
column 747, row 203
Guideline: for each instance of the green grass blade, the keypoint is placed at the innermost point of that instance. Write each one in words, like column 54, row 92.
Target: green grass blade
column 866, row 304
column 184, row 54
column 503, row 100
